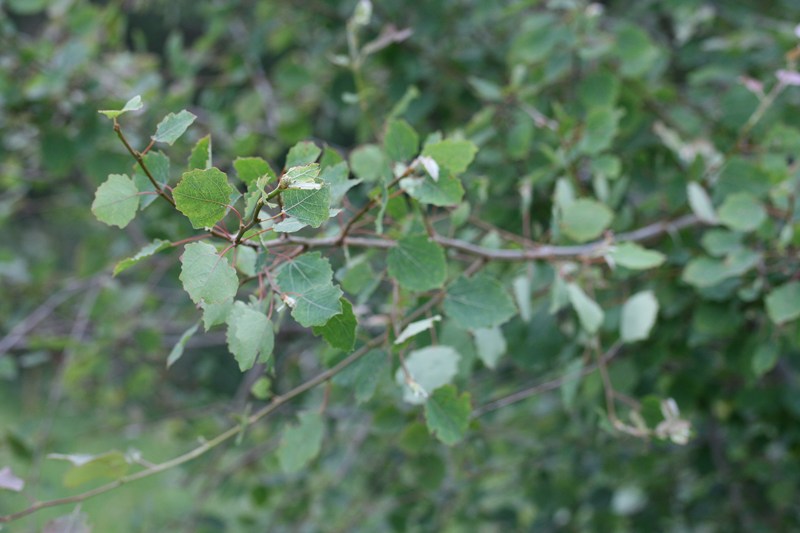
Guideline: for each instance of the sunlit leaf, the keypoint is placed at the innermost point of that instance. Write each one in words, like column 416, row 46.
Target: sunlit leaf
column 636, row 257
column 308, row 206
column 783, row 302
column 401, row 142
column 203, row 196
column 308, row 289
column 585, row 219
column 173, row 126
column 207, row 277
column 453, row 155
column 134, row 104
column 302, row 153
column 250, row 336
column 428, row 369
column 589, row 313
column 147, row 251
column 415, row 328
column 249, row 169
column 638, row 316
column 116, row 201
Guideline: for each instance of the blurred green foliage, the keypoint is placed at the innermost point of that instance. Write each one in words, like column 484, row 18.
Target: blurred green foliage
column 621, row 104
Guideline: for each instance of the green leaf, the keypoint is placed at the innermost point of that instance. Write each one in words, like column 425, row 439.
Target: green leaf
column 589, row 313
column 720, row 242
column 206, row 276
column 330, row 157
column 601, row 128
column 203, row 196
column 302, row 175
column 134, row 104
column 599, row 90
column 447, row 191
column 309, row 206
column 249, row 169
column 109, row 465
column 245, row 261
column 215, row 314
column 177, row 350
column 607, row 165
column 116, row 201
column 485, row 89
column 308, row 290
column 401, row 142
column 364, row 374
column 478, row 302
column 520, row 136
column 301, row 443
column 706, row 272
column 173, row 126
column 490, row 345
column 262, row 388
column 429, row 368
column 637, row 53
column 201, row 154
column 700, row 203
column 417, row 263
column 783, row 303
column 340, row 331
column 742, row 212
column 147, row 251
column 302, row 153
column 559, row 296
column 765, row 359
column 401, row 106
column 447, row 414
column 585, row 219
column 289, row 225
column 452, row 155
column 28, row 7
column 415, row 328
column 369, row 163
column 638, row 316
column 631, row 255
column 536, row 38
column 250, row 336
column 521, row 287
column 336, row 176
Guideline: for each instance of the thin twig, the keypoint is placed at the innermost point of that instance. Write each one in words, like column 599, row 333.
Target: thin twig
column 553, row 384
column 540, row 252
column 19, row 331
column 231, row 432
column 140, row 159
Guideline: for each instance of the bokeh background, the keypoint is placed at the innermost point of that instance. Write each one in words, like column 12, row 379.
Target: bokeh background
column 82, row 353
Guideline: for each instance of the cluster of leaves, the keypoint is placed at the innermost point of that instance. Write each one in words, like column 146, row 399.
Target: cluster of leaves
column 606, row 207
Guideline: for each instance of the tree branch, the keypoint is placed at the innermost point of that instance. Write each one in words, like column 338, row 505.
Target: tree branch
column 140, row 159
column 231, row 432
column 553, row 384
column 18, row 332
column 540, row 252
